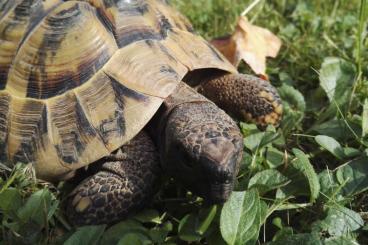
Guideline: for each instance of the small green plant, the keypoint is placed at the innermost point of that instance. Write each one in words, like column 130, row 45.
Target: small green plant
column 303, row 183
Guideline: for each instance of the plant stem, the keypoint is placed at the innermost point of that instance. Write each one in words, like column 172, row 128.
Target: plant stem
column 250, row 7
column 360, row 35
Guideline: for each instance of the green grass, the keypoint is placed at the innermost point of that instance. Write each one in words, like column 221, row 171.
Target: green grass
column 304, row 182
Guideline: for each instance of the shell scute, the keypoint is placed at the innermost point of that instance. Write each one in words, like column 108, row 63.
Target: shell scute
column 130, row 66
column 113, row 109
column 5, row 99
column 50, row 63
column 81, row 78
column 72, row 134
column 27, row 132
column 18, row 19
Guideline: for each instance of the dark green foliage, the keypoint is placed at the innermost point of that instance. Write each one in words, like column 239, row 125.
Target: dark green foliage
column 304, row 183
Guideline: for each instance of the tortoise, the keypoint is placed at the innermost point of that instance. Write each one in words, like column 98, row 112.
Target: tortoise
column 114, row 84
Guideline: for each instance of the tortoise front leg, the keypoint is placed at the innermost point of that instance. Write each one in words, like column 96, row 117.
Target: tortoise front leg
column 245, row 97
column 122, row 184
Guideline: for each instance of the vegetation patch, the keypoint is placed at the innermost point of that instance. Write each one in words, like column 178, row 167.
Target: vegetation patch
column 303, row 183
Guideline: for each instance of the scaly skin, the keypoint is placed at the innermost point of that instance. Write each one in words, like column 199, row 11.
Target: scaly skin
column 122, row 184
column 199, row 145
column 246, row 97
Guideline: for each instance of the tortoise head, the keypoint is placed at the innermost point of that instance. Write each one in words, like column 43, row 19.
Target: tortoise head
column 203, row 148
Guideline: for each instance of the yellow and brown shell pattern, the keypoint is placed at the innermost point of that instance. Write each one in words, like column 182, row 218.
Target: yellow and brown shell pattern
column 80, row 78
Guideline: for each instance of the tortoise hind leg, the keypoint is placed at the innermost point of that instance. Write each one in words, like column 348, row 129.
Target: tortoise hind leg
column 245, row 97
column 122, row 184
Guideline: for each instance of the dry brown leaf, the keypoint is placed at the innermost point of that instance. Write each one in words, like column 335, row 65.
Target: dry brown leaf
column 249, row 43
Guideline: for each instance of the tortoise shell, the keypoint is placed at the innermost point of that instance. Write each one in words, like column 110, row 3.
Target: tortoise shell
column 78, row 79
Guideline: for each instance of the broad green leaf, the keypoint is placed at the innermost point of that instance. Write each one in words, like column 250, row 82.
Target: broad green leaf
column 241, row 218
column 259, row 140
column 135, row 239
column 336, row 77
column 302, row 163
column 116, row 232
column 268, row 180
column 337, row 129
column 365, row 118
column 353, row 176
column 294, row 107
column 148, row 216
column 302, row 239
column 253, row 141
column 340, row 221
column 331, row 145
column 340, row 241
column 37, row 207
column 187, row 228
column 86, row 235
column 304, row 180
column 293, row 96
column 10, row 199
column 274, row 157
column 247, row 128
column 350, row 152
column 329, row 187
column 283, row 233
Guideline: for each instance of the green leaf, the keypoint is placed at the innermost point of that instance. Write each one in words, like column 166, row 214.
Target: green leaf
column 350, row 152
column 302, row 163
column 329, row 186
column 37, row 207
column 10, row 199
column 304, row 180
column 193, row 226
column 116, row 232
column 294, row 98
column 268, row 180
column 241, row 217
column 206, row 217
column 331, row 145
column 134, row 238
column 283, row 233
column 274, row 157
column 187, row 228
column 340, row 241
column 337, row 129
column 148, row 216
column 302, row 239
column 294, row 107
column 259, row 140
column 339, row 221
column 277, row 221
column 353, row 176
column 247, row 128
column 336, row 77
column 86, row 235
column 158, row 234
